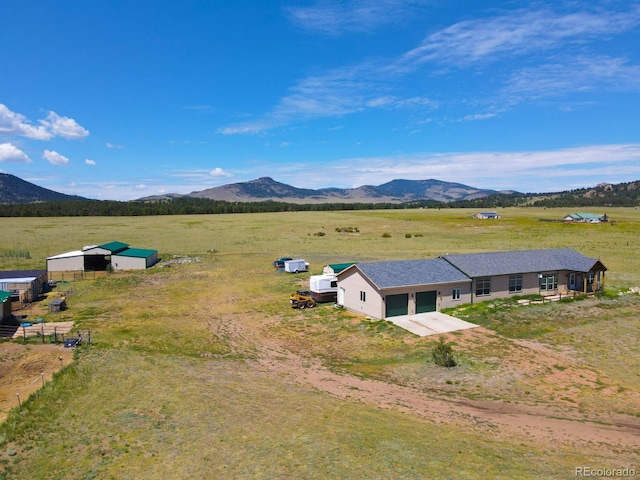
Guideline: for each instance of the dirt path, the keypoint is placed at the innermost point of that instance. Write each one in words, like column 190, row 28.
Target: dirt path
column 543, row 423
column 21, row 369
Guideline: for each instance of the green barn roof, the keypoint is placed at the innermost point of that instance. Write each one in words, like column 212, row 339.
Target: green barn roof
column 137, row 253
column 114, row 247
column 338, row 267
column 4, row 295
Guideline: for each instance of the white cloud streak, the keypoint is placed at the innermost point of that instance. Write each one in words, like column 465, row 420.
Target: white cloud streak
column 520, row 170
column 515, row 34
column 11, row 154
column 522, row 34
column 54, row 158
column 88, row 161
column 338, row 17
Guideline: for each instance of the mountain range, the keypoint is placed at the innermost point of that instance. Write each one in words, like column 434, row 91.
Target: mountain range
column 15, row 191
column 395, row 191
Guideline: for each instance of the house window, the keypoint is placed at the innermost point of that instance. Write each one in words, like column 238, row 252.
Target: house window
column 363, row 296
column 455, row 295
column 548, row 282
column 483, row 287
column 515, row 283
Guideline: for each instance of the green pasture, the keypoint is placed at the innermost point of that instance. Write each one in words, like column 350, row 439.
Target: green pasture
column 169, row 388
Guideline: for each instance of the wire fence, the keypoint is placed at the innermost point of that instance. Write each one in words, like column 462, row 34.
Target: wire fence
column 14, row 254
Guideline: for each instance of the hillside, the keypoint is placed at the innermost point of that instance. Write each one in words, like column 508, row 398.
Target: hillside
column 395, row 191
column 16, row 190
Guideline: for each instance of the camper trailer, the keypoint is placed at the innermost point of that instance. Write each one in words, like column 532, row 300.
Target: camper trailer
column 296, row 265
column 324, row 288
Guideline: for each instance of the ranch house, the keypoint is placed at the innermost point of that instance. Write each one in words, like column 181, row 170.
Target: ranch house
column 405, row 287
column 394, row 288
column 525, row 272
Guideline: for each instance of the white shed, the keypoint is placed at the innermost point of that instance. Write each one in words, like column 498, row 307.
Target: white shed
column 134, row 259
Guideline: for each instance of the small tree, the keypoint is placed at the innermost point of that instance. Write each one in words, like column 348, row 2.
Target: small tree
column 443, row 353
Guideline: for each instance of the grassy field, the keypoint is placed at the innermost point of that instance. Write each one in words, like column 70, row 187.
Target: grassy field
column 202, row 370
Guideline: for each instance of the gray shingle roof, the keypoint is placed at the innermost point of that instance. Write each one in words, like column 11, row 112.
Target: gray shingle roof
column 521, row 261
column 404, row 273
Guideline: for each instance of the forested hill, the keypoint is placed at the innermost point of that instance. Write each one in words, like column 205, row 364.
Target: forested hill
column 603, row 195
column 16, row 190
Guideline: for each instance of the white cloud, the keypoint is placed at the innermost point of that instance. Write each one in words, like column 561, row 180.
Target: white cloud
column 218, row 172
column 560, row 38
column 89, row 162
column 64, row 127
column 54, row 125
column 12, row 123
column 337, row 93
column 575, row 74
column 11, row 154
column 477, row 116
column 520, row 170
column 517, row 33
column 54, row 158
column 113, row 145
column 336, row 17
column 140, row 186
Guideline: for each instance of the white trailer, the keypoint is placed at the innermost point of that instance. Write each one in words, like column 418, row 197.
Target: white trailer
column 324, row 288
column 296, row 265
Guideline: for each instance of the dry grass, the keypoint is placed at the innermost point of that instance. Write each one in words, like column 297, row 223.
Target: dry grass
column 188, row 374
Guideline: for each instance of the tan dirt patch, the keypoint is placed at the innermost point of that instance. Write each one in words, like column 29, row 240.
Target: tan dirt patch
column 21, row 369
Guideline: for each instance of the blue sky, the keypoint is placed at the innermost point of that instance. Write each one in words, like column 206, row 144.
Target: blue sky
column 124, row 99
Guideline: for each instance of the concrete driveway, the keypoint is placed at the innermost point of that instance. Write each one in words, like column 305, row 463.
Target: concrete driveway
column 430, row 323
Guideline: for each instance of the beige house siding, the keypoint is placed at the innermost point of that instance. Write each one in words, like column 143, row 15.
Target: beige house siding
column 530, row 285
column 445, row 295
column 353, row 284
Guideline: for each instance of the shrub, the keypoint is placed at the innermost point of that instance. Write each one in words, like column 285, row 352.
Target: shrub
column 443, row 353
column 407, row 235
column 386, row 235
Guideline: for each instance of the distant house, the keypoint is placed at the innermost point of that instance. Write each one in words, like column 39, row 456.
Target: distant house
column 487, row 215
column 387, row 289
column 586, row 218
column 5, row 305
column 100, row 257
column 394, row 288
